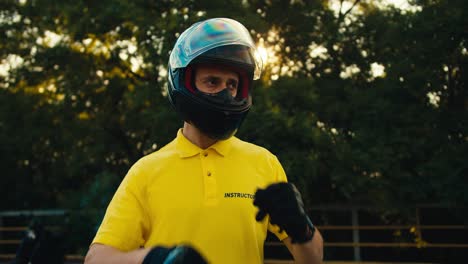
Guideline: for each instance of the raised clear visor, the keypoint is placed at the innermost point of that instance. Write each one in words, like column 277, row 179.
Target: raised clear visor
column 210, row 34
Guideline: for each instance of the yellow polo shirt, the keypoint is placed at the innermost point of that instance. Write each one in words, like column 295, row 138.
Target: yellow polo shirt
column 183, row 194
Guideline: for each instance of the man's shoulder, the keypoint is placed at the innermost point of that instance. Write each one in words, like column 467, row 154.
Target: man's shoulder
column 247, row 148
column 255, row 155
column 161, row 155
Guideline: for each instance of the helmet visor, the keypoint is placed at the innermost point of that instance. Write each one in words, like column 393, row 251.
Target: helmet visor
column 213, row 33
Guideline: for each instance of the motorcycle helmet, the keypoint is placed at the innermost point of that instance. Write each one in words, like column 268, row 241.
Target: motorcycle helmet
column 217, row 42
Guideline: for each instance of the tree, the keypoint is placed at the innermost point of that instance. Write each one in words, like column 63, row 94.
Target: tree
column 362, row 104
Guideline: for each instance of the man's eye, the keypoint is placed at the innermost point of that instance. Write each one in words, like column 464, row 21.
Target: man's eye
column 232, row 85
column 212, row 82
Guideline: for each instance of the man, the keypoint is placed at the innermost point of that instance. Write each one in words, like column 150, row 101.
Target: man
column 40, row 245
column 207, row 196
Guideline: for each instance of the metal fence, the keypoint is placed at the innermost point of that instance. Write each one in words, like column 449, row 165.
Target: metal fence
column 351, row 233
column 423, row 233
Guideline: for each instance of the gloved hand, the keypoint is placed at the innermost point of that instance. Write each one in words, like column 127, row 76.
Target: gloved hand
column 283, row 202
column 176, row 255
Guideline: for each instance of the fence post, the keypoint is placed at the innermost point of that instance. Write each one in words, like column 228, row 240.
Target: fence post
column 355, row 224
column 1, row 225
column 418, row 231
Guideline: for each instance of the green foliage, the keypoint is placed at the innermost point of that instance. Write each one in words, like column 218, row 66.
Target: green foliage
column 77, row 113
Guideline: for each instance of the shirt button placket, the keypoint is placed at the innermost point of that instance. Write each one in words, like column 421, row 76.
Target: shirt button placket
column 209, row 179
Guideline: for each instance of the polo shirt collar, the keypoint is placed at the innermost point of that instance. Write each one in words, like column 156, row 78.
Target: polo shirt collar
column 223, row 146
column 187, row 149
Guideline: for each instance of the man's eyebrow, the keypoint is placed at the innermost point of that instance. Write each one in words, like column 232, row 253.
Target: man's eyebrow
column 214, row 77
column 209, row 77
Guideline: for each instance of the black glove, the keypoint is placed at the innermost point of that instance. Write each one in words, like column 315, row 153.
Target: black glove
column 176, row 255
column 283, row 202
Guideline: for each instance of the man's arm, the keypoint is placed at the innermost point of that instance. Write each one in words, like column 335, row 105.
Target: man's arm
column 283, row 203
column 103, row 254
column 310, row 252
column 182, row 254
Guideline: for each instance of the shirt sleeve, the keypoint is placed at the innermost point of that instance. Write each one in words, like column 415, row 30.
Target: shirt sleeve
column 280, row 176
column 125, row 224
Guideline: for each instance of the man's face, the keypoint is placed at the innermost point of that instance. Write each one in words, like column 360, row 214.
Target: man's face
column 213, row 79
